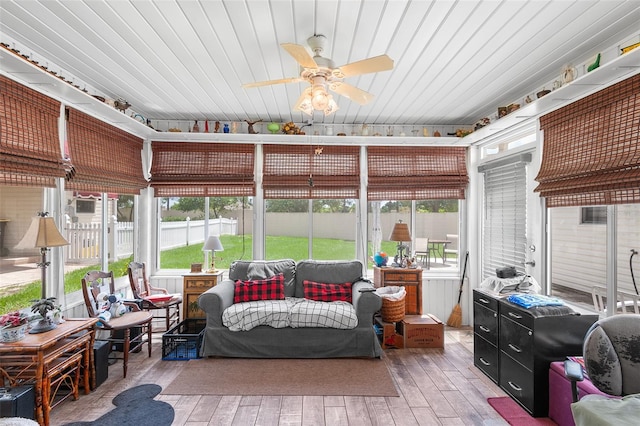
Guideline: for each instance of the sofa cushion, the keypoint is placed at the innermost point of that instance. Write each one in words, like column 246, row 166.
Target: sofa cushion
column 311, row 313
column 326, row 271
column 291, row 312
column 326, row 292
column 261, row 269
column 247, row 315
column 260, row 289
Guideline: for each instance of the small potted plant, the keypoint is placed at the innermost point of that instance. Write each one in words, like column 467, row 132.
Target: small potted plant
column 43, row 307
column 13, row 326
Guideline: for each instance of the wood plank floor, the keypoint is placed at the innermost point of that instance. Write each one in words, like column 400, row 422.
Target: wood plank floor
column 436, row 387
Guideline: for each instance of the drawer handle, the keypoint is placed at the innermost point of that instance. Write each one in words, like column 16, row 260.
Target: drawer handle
column 516, row 316
column 514, row 348
column 485, row 329
column 515, row 387
column 484, row 362
column 485, row 301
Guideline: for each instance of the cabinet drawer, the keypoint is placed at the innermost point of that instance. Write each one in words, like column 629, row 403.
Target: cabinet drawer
column 203, row 283
column 518, row 382
column 406, row 277
column 485, row 300
column 516, row 314
column 485, row 357
column 485, row 323
column 516, row 341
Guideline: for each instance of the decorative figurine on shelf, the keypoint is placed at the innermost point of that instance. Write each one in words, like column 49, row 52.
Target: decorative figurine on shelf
column 196, row 127
column 595, row 64
column 273, row 128
column 569, row 74
column 225, row 129
column 216, row 127
column 250, row 130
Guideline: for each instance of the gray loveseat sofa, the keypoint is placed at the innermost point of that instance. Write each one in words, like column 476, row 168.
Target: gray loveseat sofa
column 310, row 342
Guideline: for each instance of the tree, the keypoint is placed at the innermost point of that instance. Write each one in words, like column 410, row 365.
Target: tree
column 125, row 208
column 287, row 206
column 190, row 204
column 217, row 205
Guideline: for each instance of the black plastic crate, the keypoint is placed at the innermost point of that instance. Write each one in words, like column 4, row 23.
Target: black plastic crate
column 183, row 341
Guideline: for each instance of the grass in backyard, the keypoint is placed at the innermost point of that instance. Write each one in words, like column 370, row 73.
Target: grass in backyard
column 72, row 282
column 236, row 247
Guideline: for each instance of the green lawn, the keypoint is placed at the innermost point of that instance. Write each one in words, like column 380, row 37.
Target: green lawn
column 235, row 247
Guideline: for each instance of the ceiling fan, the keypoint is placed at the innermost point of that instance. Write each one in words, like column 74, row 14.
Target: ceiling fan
column 323, row 75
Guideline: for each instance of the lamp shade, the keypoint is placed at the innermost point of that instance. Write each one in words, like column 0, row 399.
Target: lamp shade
column 213, row 243
column 42, row 233
column 400, row 232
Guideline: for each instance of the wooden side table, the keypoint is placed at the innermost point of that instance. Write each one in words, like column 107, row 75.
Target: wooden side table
column 410, row 278
column 193, row 286
column 49, row 358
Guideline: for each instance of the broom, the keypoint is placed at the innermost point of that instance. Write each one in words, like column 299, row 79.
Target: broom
column 455, row 319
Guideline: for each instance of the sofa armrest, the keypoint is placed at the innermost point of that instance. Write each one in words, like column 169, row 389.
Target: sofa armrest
column 215, row 300
column 365, row 301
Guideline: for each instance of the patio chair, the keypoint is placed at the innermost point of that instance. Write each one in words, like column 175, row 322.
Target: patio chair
column 450, row 249
column 119, row 328
column 422, row 252
column 627, row 302
column 154, row 298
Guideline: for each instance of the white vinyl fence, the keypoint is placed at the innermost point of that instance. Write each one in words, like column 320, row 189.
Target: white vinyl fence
column 84, row 238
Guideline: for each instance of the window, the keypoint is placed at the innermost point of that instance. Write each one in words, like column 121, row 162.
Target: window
column 85, row 206
column 427, row 219
column 593, row 215
column 504, row 233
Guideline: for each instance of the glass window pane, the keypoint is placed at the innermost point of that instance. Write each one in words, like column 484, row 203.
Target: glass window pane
column 334, row 229
column 287, row 229
column 183, row 229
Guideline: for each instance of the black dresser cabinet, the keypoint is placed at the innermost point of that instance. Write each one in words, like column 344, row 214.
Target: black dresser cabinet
column 485, row 333
column 525, row 345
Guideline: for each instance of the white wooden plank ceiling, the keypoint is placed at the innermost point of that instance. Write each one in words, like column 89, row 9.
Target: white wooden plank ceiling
column 455, row 61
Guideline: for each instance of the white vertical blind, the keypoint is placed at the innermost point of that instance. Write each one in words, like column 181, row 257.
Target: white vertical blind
column 505, row 212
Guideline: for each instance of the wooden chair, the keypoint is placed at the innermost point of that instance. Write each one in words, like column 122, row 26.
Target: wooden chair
column 119, row 328
column 153, row 298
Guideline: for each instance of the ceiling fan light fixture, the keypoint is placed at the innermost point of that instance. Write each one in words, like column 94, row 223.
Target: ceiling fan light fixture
column 304, row 102
column 319, row 97
column 331, row 107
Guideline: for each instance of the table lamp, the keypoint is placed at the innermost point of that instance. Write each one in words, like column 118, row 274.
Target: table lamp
column 400, row 233
column 42, row 233
column 213, row 244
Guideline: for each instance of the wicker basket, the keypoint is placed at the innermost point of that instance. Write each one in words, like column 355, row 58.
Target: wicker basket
column 392, row 310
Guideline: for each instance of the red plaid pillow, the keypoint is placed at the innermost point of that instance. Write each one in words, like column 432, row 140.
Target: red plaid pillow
column 327, row 292
column 264, row 289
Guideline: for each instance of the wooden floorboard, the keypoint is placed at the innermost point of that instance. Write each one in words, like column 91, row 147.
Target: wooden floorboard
column 435, row 386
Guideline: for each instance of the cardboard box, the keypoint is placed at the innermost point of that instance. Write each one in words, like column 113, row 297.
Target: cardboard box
column 389, row 336
column 422, row 331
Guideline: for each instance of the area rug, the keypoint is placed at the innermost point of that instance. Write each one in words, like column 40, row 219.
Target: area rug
column 240, row 376
column 135, row 406
column 514, row 414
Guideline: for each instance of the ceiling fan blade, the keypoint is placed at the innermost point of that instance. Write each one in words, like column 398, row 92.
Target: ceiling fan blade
column 270, row 82
column 375, row 64
column 351, row 92
column 300, row 54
